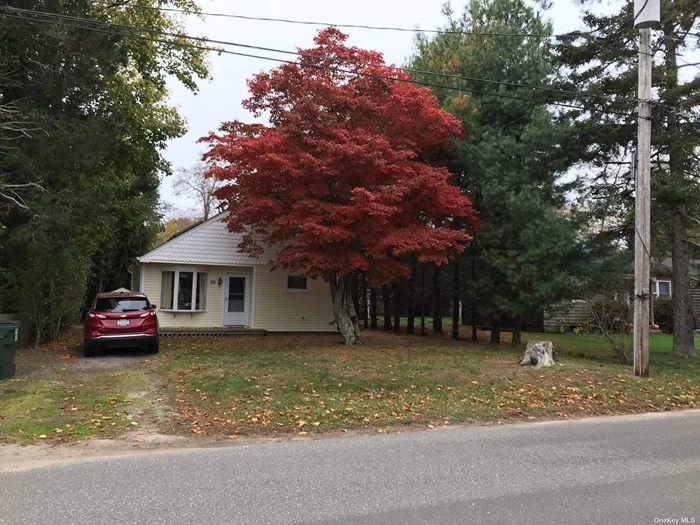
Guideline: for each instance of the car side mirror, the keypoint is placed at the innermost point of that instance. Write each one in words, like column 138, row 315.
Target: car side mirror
column 153, row 306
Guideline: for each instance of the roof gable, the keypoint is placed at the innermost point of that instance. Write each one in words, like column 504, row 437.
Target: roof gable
column 209, row 242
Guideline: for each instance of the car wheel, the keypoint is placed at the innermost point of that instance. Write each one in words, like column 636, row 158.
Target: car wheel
column 153, row 349
column 88, row 352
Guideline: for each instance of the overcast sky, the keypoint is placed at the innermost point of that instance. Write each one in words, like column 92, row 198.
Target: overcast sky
column 219, row 99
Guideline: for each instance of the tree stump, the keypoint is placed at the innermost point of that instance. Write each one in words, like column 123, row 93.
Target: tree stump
column 540, row 353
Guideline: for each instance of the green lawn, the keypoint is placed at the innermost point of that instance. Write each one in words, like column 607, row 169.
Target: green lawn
column 72, row 408
column 312, row 383
column 56, row 397
column 594, row 345
column 290, row 384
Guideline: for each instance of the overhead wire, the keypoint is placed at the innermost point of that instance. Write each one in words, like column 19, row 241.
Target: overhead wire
column 287, row 52
column 58, row 20
column 328, row 24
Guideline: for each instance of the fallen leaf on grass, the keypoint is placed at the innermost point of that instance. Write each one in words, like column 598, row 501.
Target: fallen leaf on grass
column 232, row 436
column 134, row 423
column 302, row 433
column 43, row 436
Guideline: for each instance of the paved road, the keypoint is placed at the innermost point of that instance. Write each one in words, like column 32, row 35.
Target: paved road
column 635, row 470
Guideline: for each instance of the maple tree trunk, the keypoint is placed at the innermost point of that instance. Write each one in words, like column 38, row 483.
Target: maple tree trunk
column 411, row 306
column 495, row 330
column 344, row 308
column 373, row 307
column 356, row 293
column 386, row 297
column 437, row 314
column 397, row 307
column 517, row 330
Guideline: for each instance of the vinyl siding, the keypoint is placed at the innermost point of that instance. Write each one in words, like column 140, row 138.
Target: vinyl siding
column 279, row 310
column 208, row 243
column 273, row 307
column 209, row 319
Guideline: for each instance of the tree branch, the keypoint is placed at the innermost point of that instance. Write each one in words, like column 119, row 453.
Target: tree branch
column 693, row 219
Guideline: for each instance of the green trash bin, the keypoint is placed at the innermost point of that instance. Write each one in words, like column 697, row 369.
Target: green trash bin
column 9, row 333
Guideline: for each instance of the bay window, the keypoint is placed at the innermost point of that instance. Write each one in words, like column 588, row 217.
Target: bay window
column 183, row 291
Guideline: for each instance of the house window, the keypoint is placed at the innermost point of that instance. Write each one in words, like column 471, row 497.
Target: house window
column 297, row 283
column 183, row 291
column 185, row 287
column 662, row 289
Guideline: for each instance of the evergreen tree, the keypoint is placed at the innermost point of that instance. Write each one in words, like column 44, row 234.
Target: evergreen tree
column 96, row 101
column 603, row 63
column 511, row 161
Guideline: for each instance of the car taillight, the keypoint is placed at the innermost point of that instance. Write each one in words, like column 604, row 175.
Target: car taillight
column 98, row 316
column 152, row 312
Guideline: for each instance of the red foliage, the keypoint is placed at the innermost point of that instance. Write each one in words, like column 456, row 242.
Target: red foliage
column 350, row 172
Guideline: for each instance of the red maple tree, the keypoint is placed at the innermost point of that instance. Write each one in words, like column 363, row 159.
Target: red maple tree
column 348, row 175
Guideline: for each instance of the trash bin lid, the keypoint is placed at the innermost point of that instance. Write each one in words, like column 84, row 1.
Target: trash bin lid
column 8, row 323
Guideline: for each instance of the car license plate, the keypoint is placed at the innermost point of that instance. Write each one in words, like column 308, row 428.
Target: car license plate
column 122, row 322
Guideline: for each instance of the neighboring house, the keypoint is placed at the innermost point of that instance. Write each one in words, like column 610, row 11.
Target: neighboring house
column 573, row 314
column 200, row 280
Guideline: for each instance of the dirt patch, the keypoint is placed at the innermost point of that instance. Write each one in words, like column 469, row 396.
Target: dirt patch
column 112, row 361
column 16, row 458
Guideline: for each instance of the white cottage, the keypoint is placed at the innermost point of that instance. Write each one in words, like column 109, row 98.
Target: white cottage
column 201, row 281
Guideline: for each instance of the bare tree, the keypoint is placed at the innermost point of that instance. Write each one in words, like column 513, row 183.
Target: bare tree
column 14, row 127
column 194, row 183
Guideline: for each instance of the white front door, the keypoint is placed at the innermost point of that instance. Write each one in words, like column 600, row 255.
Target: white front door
column 236, row 301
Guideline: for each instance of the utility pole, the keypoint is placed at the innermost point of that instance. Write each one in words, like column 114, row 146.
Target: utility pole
column 646, row 15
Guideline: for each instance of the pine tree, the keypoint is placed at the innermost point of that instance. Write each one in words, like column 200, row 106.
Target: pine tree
column 511, row 161
column 603, row 64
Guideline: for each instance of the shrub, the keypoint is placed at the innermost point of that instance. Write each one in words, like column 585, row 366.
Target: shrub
column 609, row 315
column 663, row 314
column 611, row 318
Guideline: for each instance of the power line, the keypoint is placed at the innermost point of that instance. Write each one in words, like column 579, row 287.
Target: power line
column 330, row 24
column 295, row 53
column 314, row 66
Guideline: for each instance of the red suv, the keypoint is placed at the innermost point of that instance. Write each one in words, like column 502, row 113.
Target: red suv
column 121, row 320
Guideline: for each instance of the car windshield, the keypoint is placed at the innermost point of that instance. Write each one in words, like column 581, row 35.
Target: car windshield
column 119, row 305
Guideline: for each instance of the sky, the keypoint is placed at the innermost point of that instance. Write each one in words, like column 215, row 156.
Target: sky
column 219, row 99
